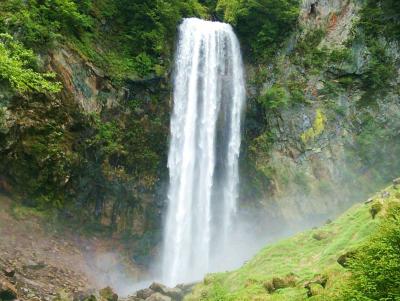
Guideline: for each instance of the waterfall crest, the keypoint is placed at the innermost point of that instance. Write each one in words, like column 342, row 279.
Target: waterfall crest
column 209, row 95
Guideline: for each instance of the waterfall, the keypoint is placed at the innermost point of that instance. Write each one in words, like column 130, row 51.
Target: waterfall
column 209, row 95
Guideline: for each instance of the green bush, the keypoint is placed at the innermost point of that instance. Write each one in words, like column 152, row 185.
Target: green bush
column 274, row 98
column 381, row 18
column 39, row 23
column 376, row 266
column 16, row 67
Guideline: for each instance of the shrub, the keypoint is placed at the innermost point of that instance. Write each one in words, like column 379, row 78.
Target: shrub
column 274, row 98
column 376, row 265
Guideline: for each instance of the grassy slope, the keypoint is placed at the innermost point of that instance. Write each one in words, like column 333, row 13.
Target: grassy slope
column 303, row 255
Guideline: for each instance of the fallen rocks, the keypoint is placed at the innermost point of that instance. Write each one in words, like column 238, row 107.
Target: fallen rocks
column 160, row 292
column 174, row 293
column 158, row 297
column 144, row 293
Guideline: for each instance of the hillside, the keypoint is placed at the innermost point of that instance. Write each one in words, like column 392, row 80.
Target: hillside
column 304, row 267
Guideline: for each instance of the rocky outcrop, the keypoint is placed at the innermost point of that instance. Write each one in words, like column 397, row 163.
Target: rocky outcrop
column 317, row 155
column 82, row 81
column 160, row 292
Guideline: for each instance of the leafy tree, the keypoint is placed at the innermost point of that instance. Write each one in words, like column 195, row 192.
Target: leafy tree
column 39, row 23
column 16, row 67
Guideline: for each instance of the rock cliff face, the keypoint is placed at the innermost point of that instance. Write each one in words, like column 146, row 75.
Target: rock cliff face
column 312, row 158
column 97, row 150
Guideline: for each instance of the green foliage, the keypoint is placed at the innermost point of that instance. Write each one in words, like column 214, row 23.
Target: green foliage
column 301, row 255
column 381, row 18
column 137, row 37
column 262, row 25
column 376, row 266
column 376, row 81
column 16, row 67
column 39, row 23
column 274, row 98
column 378, row 25
column 307, row 52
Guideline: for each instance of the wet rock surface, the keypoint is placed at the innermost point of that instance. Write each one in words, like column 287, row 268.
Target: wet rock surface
column 160, row 292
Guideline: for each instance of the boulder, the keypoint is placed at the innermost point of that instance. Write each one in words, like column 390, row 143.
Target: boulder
column 9, row 272
column 375, row 209
column 343, row 260
column 158, row 297
column 313, row 289
column 186, row 288
column 174, row 293
column 144, row 293
column 396, row 183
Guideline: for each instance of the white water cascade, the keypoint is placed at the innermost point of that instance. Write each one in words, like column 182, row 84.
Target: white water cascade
column 209, row 95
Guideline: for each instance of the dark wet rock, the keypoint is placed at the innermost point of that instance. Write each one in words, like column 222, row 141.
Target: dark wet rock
column 321, row 280
column 186, row 288
column 316, row 285
column 313, row 289
column 174, row 293
column 144, row 293
column 108, row 294
column 396, row 183
column 9, row 272
column 375, row 209
column 158, row 297
column 343, row 260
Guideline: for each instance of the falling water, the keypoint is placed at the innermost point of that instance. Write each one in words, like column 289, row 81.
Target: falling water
column 209, row 95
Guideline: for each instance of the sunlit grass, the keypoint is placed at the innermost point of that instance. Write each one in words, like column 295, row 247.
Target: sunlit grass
column 305, row 255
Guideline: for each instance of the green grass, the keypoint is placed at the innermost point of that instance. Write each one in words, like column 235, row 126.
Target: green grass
column 306, row 255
